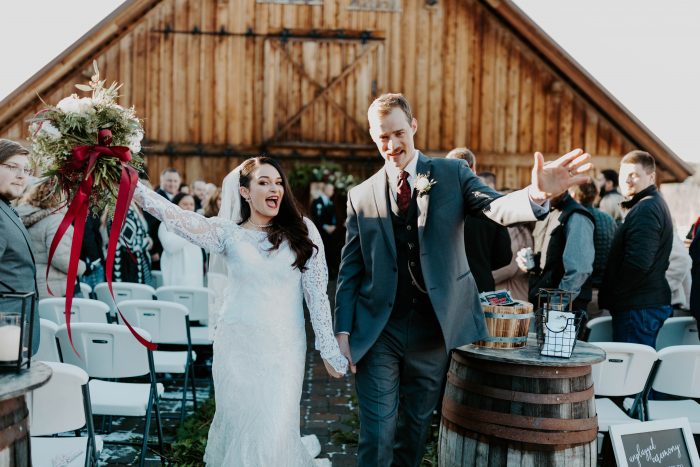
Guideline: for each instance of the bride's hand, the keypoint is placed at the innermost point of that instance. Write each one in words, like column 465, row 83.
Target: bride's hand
column 331, row 371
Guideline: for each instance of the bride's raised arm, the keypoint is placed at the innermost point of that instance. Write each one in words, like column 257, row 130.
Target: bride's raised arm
column 315, row 283
column 208, row 233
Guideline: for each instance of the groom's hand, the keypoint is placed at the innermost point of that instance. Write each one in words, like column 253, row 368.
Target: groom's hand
column 344, row 344
column 554, row 178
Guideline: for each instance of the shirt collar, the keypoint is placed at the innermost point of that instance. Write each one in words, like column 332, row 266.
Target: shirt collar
column 393, row 171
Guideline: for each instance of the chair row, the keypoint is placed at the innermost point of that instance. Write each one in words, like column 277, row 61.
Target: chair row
column 675, row 331
column 633, row 370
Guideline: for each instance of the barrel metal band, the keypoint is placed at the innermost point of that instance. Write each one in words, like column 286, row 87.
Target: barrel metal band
column 491, row 314
column 518, row 396
column 520, row 428
column 505, row 340
column 520, row 370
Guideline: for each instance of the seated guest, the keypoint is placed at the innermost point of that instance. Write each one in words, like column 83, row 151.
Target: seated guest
column 41, row 214
column 182, row 262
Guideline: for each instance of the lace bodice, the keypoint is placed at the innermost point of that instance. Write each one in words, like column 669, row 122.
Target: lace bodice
column 265, row 289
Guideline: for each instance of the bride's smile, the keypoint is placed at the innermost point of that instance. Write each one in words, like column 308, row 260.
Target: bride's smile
column 264, row 194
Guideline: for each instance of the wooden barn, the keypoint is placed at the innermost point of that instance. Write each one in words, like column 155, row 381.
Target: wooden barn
column 219, row 80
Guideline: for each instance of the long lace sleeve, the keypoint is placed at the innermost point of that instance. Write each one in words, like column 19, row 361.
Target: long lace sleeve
column 315, row 283
column 209, row 233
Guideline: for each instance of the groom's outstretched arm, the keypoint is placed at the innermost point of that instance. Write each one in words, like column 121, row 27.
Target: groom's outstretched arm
column 350, row 275
column 481, row 200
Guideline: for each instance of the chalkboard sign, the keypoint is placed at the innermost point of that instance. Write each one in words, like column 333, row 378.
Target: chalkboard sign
column 661, row 443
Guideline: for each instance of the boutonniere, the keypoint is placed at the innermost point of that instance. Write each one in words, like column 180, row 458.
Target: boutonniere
column 424, row 184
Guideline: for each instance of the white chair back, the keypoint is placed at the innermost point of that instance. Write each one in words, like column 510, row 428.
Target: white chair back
column 600, row 329
column 679, row 371
column 48, row 349
column 678, row 331
column 85, row 289
column 157, row 278
column 123, row 291
column 83, row 310
column 166, row 322
column 58, row 405
column 105, row 350
column 625, row 369
column 195, row 299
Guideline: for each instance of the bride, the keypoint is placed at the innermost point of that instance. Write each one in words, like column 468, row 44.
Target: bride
column 275, row 259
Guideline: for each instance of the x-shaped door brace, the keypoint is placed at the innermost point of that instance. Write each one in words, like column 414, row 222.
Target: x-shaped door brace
column 322, row 90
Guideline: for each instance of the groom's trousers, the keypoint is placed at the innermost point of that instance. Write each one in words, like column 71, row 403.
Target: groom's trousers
column 398, row 383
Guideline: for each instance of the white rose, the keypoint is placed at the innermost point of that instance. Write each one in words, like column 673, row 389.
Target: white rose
column 134, row 142
column 422, row 183
column 49, row 130
column 74, row 104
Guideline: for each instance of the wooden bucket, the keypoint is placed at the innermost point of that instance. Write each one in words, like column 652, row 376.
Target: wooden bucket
column 507, row 325
column 512, row 415
column 14, row 433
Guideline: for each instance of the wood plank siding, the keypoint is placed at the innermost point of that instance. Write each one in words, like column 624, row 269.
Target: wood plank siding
column 218, row 80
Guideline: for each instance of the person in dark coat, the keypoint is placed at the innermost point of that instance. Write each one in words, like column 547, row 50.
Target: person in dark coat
column 323, row 216
column 487, row 244
column 169, row 187
column 17, row 266
column 635, row 289
column 695, row 277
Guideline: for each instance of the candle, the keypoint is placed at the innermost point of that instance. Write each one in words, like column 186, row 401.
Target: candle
column 9, row 343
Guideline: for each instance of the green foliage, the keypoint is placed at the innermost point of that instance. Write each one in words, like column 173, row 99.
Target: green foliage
column 191, row 442
column 303, row 174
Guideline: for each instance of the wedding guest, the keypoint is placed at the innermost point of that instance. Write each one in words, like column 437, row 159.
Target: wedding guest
column 609, row 195
column 182, row 261
column 41, row 213
column 487, row 244
column 92, row 253
column 694, row 251
column 199, row 190
column 169, row 187
column 323, row 216
column 511, row 277
column 635, row 289
column 18, row 270
column 184, row 188
column 405, row 295
column 213, row 205
column 132, row 261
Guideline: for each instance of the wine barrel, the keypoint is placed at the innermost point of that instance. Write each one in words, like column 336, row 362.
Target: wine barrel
column 511, row 413
column 507, row 325
column 14, row 432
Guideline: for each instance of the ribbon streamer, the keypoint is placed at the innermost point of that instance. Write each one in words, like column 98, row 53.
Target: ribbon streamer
column 84, row 159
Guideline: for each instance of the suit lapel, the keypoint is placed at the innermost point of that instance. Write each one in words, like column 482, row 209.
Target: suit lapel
column 424, row 167
column 18, row 222
column 381, row 201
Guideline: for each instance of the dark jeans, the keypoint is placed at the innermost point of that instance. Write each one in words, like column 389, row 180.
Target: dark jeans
column 639, row 326
column 398, row 383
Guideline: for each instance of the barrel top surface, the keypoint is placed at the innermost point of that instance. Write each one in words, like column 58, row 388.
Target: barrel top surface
column 584, row 354
column 16, row 384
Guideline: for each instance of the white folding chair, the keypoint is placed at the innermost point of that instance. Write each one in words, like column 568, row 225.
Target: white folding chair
column 85, row 289
column 678, row 375
column 624, row 372
column 109, row 351
column 196, row 300
column 123, row 291
column 157, row 278
column 167, row 323
column 678, row 331
column 83, row 310
column 600, row 329
column 62, row 405
column 48, row 348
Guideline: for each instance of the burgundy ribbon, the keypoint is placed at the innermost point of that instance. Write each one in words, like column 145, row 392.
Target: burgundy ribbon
column 83, row 161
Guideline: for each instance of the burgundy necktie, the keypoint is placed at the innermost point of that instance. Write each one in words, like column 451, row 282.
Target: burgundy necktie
column 403, row 192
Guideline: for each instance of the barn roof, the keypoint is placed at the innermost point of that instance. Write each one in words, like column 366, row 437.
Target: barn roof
column 124, row 18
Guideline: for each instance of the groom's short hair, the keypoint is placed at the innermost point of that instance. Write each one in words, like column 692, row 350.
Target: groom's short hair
column 385, row 103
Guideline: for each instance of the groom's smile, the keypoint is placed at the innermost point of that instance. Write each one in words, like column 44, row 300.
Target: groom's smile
column 393, row 135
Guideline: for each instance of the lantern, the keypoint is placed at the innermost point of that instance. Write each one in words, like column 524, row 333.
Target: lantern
column 16, row 324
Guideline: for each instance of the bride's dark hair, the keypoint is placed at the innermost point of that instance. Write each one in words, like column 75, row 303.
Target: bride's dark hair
column 288, row 224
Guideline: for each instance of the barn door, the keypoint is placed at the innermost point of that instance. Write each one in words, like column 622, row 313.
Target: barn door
column 319, row 90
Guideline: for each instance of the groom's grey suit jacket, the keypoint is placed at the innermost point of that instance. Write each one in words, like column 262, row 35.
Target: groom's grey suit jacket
column 367, row 281
column 17, row 267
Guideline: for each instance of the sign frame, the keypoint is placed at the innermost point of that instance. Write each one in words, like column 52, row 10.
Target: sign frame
column 618, row 431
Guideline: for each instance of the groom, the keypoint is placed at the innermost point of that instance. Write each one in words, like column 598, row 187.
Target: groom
column 405, row 294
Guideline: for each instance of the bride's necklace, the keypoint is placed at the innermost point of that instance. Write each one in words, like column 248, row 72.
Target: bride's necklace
column 259, row 226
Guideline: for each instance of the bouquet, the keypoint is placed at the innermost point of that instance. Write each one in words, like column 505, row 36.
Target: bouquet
column 88, row 149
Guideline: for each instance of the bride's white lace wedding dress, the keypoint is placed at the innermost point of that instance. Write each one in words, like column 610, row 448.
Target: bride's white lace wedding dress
column 260, row 341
